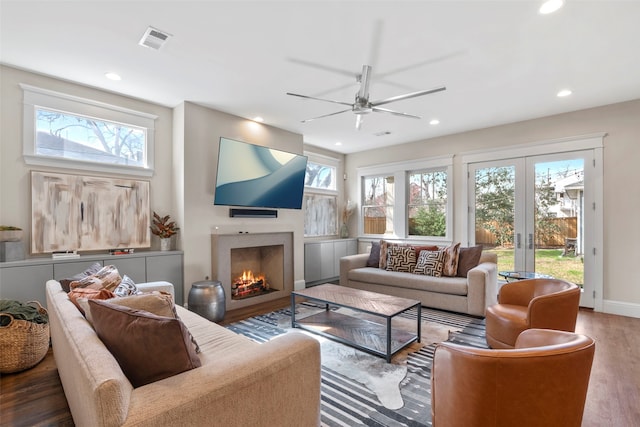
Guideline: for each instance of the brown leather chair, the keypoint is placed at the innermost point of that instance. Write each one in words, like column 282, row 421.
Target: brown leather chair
column 542, row 382
column 531, row 303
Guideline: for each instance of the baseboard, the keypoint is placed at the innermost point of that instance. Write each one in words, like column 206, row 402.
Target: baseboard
column 621, row 308
column 298, row 285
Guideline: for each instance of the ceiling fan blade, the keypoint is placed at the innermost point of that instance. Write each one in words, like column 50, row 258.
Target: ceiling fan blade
column 322, row 67
column 325, row 115
column 359, row 121
column 397, row 113
column 319, row 99
column 407, row 96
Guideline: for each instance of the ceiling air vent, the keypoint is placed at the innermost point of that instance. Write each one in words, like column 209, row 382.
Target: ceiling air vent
column 154, row 38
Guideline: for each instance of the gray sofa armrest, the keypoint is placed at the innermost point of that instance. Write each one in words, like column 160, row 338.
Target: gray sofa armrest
column 157, row 286
column 351, row 262
column 482, row 282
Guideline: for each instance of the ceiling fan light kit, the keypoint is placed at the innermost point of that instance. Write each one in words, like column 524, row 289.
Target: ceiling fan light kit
column 362, row 105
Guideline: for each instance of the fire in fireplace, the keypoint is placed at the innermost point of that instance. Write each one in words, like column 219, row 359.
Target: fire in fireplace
column 249, row 285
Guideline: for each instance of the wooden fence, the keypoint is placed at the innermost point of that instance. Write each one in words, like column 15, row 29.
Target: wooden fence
column 566, row 228
column 375, row 224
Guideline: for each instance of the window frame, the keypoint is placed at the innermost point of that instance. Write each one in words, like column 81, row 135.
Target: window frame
column 37, row 98
column 401, row 171
column 335, row 193
column 447, row 204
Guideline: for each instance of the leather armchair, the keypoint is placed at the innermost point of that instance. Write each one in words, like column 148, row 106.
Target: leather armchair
column 532, row 303
column 542, row 382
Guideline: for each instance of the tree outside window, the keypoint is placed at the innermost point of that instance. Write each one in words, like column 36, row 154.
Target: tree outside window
column 427, row 209
column 78, row 137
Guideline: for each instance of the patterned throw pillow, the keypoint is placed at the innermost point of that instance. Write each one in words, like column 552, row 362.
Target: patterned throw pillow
column 384, row 247
column 126, row 287
column 401, row 258
column 106, row 278
column 450, row 265
column 430, row 263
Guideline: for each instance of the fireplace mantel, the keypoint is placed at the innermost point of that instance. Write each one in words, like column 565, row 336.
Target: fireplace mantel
column 221, row 248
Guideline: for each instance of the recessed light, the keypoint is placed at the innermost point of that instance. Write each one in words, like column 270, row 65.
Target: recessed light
column 338, row 143
column 258, row 119
column 113, row 76
column 563, row 93
column 434, row 122
column 550, row 6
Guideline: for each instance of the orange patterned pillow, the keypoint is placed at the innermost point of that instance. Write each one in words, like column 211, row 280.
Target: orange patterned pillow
column 88, row 293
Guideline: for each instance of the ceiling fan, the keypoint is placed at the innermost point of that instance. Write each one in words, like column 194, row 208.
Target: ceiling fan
column 363, row 106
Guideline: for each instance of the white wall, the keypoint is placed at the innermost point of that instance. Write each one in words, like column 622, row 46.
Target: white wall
column 203, row 128
column 15, row 186
column 620, row 121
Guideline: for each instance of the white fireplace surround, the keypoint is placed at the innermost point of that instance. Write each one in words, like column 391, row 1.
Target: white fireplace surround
column 221, row 268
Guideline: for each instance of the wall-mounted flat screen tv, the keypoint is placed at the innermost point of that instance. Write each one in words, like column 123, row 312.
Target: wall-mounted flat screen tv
column 255, row 176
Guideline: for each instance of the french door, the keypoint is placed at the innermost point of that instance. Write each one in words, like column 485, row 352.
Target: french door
column 538, row 214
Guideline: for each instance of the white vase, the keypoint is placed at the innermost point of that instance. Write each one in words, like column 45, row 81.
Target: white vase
column 165, row 244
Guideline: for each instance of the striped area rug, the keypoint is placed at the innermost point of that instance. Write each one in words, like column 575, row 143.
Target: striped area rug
column 347, row 403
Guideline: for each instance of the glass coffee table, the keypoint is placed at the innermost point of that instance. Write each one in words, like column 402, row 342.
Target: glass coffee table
column 521, row 275
column 370, row 326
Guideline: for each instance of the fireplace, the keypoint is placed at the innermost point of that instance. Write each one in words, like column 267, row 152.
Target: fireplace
column 256, row 271
column 252, row 267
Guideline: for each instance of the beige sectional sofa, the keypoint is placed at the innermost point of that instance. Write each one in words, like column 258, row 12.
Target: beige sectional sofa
column 240, row 382
column 470, row 295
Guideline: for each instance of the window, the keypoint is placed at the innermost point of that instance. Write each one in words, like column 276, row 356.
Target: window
column 320, row 201
column 377, row 205
column 427, row 210
column 408, row 199
column 67, row 131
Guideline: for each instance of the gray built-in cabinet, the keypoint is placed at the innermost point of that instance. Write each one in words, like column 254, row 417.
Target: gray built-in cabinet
column 25, row 280
column 322, row 259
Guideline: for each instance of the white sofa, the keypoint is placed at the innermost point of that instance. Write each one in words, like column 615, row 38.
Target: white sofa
column 240, row 382
column 470, row 295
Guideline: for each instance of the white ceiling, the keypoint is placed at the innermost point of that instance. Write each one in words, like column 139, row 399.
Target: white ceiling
column 501, row 61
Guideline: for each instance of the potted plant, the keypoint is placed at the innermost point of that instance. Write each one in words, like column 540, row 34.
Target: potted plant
column 164, row 228
column 10, row 234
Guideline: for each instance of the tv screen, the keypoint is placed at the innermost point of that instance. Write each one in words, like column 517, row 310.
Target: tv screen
column 255, row 176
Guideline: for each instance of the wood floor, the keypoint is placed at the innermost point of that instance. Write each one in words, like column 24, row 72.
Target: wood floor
column 35, row 397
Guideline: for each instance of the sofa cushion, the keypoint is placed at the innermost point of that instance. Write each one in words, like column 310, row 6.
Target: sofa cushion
column 468, row 259
column 147, row 347
column 158, row 303
column 450, row 263
column 430, row 263
column 401, row 258
column 443, row 285
column 105, row 278
column 374, row 255
column 92, row 269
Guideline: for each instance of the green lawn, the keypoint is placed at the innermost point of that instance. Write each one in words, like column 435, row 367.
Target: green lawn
column 548, row 261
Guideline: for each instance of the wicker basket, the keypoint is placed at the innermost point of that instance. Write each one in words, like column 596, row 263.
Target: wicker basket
column 23, row 344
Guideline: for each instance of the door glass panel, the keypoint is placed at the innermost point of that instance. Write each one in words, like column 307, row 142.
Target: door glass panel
column 495, row 213
column 558, row 219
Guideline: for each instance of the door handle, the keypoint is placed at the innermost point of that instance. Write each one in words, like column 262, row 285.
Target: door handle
column 530, row 241
column 518, row 240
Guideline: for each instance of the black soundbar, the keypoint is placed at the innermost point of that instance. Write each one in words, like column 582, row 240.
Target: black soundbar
column 253, row 213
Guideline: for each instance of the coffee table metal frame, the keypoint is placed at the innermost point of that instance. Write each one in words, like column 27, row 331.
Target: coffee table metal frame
column 333, row 295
